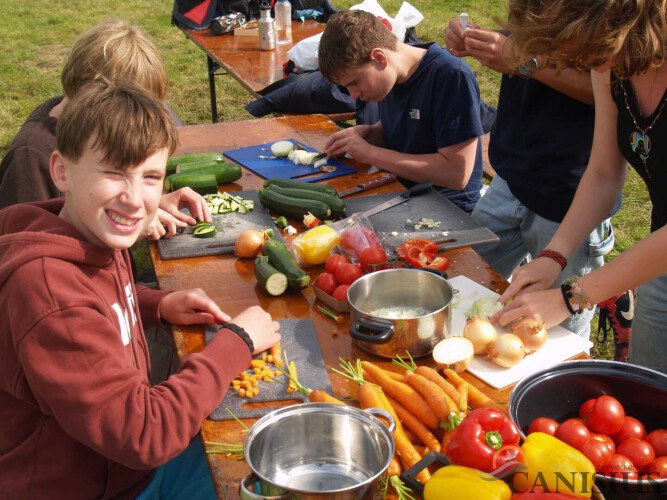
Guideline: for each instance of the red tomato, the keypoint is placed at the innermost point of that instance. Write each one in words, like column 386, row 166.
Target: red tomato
column 346, row 274
column 597, row 451
column 620, row 467
column 340, row 293
column 606, row 440
column 586, row 407
column 658, row 439
column 543, row 424
column 631, row 428
column 333, row 261
column 638, row 451
column 326, row 282
column 355, row 238
column 605, row 416
column 658, row 468
column 370, row 258
column 573, row 432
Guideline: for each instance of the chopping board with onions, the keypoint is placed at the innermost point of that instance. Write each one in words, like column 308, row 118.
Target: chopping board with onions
column 561, row 344
column 300, row 344
column 397, row 224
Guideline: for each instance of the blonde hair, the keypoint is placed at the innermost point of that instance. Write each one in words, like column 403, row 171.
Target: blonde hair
column 632, row 34
column 115, row 51
column 128, row 122
column 348, row 40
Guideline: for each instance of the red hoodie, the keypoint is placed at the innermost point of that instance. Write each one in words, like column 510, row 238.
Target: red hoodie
column 79, row 418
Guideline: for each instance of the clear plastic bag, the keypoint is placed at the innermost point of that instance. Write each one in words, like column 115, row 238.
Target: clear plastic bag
column 356, row 234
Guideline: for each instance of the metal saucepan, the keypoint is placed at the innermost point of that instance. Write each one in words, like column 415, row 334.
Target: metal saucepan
column 322, row 450
column 400, row 310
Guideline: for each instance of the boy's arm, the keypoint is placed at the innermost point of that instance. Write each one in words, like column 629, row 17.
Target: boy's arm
column 149, row 300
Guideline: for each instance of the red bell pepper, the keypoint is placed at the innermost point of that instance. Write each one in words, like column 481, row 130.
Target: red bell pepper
column 420, row 252
column 479, row 438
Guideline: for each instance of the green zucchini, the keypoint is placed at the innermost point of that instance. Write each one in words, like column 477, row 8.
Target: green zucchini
column 204, row 230
column 293, row 207
column 268, row 277
column 202, row 182
column 336, row 204
column 174, row 161
column 283, row 260
column 224, row 172
column 289, row 183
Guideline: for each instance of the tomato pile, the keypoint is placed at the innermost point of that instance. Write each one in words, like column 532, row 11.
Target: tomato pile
column 617, row 444
column 339, row 275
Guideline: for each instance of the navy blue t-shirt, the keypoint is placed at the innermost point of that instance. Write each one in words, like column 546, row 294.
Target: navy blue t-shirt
column 438, row 106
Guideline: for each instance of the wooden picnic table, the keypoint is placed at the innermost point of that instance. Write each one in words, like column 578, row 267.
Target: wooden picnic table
column 215, row 274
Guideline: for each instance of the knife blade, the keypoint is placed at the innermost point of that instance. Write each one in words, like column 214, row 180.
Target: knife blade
column 415, row 190
column 368, row 185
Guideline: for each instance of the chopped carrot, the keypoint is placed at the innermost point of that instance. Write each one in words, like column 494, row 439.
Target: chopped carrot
column 257, row 363
column 277, row 353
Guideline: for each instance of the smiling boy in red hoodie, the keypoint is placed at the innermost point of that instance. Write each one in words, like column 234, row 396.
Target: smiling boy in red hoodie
column 79, row 416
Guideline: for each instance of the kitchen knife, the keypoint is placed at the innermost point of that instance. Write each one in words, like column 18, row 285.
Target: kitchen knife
column 415, row 190
column 368, row 185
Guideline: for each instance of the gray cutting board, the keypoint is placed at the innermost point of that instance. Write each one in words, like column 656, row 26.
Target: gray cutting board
column 459, row 225
column 299, row 342
column 229, row 227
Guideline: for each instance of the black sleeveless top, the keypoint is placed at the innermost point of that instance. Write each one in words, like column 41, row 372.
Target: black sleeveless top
column 645, row 150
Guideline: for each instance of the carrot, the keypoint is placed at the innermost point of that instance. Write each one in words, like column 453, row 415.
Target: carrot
column 436, row 378
column 463, row 389
column 320, row 396
column 476, row 397
column 277, row 354
column 436, row 397
column 372, row 396
column 412, row 436
column 394, row 467
column 404, row 394
column 424, row 435
column 423, row 450
column 294, row 377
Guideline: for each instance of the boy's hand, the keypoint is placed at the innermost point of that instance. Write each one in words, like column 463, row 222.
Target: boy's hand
column 186, row 198
column 349, row 141
column 191, row 307
column 260, row 327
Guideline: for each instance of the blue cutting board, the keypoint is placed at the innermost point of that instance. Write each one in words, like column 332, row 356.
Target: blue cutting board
column 282, row 168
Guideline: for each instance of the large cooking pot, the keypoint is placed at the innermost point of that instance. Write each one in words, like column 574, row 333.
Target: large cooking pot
column 399, row 310
column 322, row 450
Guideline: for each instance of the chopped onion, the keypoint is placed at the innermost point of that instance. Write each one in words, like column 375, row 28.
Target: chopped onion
column 480, row 332
column 281, row 149
column 507, row 350
column 531, row 332
column 454, row 353
column 249, row 243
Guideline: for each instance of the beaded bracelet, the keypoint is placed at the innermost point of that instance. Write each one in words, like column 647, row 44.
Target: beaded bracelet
column 555, row 256
column 232, row 327
column 575, row 301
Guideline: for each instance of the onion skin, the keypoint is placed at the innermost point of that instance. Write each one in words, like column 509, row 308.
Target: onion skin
column 507, row 350
column 481, row 333
column 249, row 243
column 531, row 332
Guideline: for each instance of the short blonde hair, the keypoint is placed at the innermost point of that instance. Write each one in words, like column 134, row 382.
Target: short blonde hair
column 128, row 124
column 348, row 40
column 630, row 33
column 117, row 52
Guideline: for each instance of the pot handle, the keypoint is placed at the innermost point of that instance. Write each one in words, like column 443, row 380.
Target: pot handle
column 409, row 476
column 380, row 333
column 438, row 272
column 379, row 412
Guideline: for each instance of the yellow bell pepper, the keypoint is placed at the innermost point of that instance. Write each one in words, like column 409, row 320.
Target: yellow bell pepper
column 553, row 466
column 455, row 482
column 314, row 246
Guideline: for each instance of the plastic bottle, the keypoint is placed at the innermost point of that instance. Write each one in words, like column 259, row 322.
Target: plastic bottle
column 283, row 10
column 267, row 37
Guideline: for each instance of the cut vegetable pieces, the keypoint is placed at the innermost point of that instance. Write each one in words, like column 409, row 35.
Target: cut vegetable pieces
column 225, row 203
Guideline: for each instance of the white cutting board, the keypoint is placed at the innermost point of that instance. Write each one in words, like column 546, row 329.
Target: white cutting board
column 561, row 344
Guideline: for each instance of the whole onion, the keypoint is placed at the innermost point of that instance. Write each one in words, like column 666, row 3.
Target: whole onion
column 480, row 332
column 249, row 243
column 531, row 332
column 507, row 350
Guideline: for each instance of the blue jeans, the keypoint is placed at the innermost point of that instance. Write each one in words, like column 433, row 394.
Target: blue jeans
column 186, row 476
column 523, row 233
column 648, row 344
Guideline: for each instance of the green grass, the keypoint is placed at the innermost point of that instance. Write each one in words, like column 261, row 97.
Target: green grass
column 38, row 34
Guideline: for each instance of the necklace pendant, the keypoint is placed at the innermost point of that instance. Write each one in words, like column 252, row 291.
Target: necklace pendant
column 641, row 144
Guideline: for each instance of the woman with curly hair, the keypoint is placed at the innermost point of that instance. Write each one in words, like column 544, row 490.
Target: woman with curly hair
column 624, row 44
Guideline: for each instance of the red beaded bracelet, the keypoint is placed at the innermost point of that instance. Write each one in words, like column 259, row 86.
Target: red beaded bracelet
column 555, row 256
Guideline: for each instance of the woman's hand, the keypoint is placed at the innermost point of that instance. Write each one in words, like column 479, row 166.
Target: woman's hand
column 263, row 331
column 191, row 307
column 539, row 274
column 546, row 305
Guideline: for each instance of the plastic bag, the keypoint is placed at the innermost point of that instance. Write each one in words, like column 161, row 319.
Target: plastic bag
column 314, row 246
column 304, row 54
column 356, row 234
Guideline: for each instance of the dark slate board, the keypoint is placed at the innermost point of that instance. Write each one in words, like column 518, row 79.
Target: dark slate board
column 299, row 342
column 283, row 168
column 229, row 227
column 459, row 226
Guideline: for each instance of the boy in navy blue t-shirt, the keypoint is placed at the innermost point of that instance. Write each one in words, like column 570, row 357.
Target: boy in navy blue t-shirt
column 428, row 100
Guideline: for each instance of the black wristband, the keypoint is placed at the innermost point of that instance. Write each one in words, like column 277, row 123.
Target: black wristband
column 566, row 290
column 232, row 327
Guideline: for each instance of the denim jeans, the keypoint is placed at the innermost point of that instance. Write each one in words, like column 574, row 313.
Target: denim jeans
column 648, row 345
column 523, row 233
column 186, row 476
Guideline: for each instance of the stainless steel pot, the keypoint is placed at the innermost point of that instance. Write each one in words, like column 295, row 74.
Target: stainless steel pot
column 322, row 450
column 400, row 310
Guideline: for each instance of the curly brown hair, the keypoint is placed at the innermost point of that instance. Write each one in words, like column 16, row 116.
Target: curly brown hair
column 348, row 40
column 631, row 34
